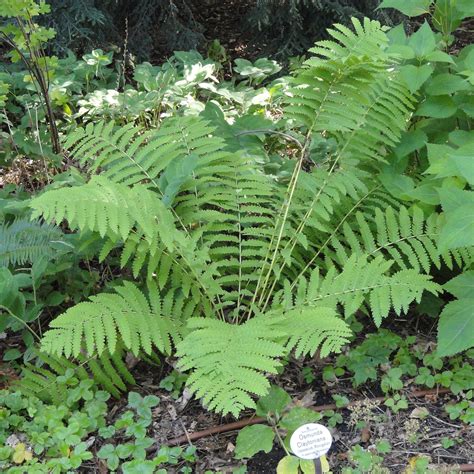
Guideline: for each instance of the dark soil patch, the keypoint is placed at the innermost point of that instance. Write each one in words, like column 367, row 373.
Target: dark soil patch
column 264, row 463
column 409, row 432
column 225, row 20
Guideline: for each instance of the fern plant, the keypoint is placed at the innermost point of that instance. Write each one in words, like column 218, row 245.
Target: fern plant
column 23, row 241
column 234, row 268
column 108, row 371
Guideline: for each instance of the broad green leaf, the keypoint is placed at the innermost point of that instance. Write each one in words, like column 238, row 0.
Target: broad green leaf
column 440, row 163
column 465, row 7
column 397, row 35
column 463, row 158
column 444, row 84
column 176, row 173
column 427, row 193
column 396, row 184
column 408, row 7
column 398, row 42
column 11, row 354
column 307, row 466
column 456, row 327
column 423, row 41
column 458, row 230
column 465, row 60
column 288, row 465
column 439, row 57
column 274, row 402
column 253, row 439
column 461, row 137
column 441, row 106
column 299, row 416
column 452, row 198
column 466, row 102
column 461, row 286
column 411, row 141
column 415, row 76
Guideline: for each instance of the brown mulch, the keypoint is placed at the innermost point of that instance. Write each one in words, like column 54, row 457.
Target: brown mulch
column 414, row 432
column 409, row 434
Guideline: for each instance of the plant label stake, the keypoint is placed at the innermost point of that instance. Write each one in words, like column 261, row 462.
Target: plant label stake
column 312, row 441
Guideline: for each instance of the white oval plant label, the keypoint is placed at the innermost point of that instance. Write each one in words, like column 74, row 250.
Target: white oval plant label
column 311, row 441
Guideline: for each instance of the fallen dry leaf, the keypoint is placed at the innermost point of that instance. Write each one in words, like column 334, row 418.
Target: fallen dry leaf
column 365, row 434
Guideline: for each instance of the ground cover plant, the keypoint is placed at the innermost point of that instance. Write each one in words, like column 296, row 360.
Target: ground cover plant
column 229, row 234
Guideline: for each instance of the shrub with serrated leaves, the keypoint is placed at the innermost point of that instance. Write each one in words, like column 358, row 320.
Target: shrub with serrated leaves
column 235, row 267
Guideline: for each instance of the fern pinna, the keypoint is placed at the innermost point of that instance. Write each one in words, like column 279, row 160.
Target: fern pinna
column 235, row 268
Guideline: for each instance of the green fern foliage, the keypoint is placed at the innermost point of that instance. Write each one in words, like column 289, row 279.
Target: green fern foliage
column 331, row 92
column 313, row 328
column 229, row 361
column 360, row 282
column 107, row 208
column 129, row 156
column 22, row 242
column 124, row 318
column 402, row 235
column 243, row 266
column 41, row 381
column 366, row 40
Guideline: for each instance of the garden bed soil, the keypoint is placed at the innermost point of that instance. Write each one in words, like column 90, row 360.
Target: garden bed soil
column 417, row 431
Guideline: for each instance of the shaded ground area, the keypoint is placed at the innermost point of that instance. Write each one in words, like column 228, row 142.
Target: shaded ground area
column 416, row 431
column 224, row 20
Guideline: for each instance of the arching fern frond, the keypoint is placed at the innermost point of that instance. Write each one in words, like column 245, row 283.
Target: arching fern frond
column 128, row 155
column 124, row 318
column 331, row 92
column 361, row 282
column 24, row 242
column 380, row 123
column 108, row 208
column 228, row 362
column 368, row 40
column 402, row 235
column 312, row 328
column 108, row 371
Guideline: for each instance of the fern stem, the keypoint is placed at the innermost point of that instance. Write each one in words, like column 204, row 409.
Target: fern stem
column 14, row 316
column 285, row 209
column 280, row 440
column 402, row 239
column 293, row 241
column 239, row 297
column 323, row 246
column 292, row 187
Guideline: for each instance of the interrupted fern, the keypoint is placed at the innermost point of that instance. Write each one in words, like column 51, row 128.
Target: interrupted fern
column 243, row 268
column 108, row 371
column 123, row 318
column 23, row 241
